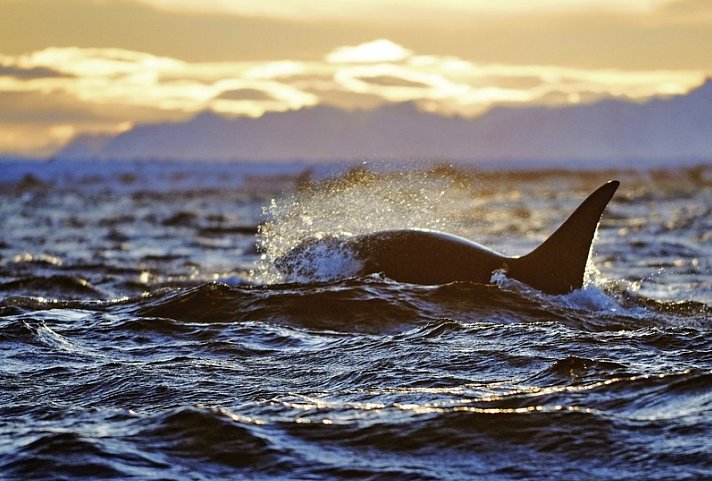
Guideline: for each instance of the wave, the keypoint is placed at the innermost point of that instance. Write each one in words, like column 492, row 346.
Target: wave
column 62, row 456
column 349, row 304
column 212, row 435
column 33, row 331
column 58, row 286
column 378, row 305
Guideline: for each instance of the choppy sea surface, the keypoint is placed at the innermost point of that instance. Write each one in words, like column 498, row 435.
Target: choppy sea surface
column 145, row 334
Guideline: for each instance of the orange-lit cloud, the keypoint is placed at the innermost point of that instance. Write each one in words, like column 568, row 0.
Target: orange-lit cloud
column 592, row 34
column 54, row 93
column 377, row 51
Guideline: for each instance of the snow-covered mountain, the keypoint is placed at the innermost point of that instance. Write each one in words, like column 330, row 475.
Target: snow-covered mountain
column 678, row 127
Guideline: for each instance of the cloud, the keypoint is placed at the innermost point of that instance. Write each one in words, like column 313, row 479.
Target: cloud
column 380, row 68
column 255, row 97
column 29, row 73
column 377, row 51
column 98, row 62
column 70, row 90
column 245, row 94
column 625, row 34
column 51, row 108
column 393, row 81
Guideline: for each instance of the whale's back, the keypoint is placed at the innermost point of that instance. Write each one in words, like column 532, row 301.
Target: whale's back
column 425, row 257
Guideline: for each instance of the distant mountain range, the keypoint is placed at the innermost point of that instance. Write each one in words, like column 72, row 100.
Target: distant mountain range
column 619, row 131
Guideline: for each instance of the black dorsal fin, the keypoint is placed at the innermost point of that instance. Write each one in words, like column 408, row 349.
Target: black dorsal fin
column 557, row 266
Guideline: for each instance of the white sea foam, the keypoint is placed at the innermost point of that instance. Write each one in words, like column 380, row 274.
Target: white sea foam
column 323, row 260
column 591, row 297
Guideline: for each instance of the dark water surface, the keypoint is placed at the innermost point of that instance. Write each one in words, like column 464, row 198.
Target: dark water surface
column 145, row 335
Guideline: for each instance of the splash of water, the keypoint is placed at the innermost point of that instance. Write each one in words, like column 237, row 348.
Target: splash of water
column 319, row 260
column 359, row 202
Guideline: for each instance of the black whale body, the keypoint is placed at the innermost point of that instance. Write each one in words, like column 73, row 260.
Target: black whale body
column 418, row 256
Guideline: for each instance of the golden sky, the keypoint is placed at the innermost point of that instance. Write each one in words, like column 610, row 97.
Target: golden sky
column 75, row 66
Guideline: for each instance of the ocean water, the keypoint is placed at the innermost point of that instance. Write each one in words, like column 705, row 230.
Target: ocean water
column 145, row 333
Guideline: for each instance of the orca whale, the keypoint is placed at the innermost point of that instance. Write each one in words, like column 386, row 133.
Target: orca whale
column 419, row 256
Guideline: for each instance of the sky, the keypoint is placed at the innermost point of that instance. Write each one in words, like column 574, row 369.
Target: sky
column 69, row 67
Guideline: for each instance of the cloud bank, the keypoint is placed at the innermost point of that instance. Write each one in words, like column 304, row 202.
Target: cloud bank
column 53, row 94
